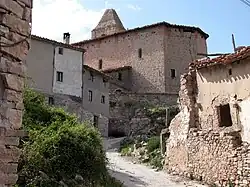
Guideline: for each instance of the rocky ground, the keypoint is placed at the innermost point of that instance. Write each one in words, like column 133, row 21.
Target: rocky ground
column 137, row 175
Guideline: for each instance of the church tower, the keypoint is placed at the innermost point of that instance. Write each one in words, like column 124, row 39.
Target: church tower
column 109, row 24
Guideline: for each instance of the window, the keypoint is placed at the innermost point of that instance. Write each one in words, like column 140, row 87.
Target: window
column 119, row 76
column 96, row 119
column 51, row 100
column 230, row 71
column 103, row 99
column 91, row 77
column 59, row 76
column 173, row 73
column 225, row 119
column 140, row 53
column 60, row 51
column 90, row 95
column 100, row 64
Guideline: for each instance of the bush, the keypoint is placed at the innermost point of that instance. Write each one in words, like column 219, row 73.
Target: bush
column 59, row 151
column 153, row 143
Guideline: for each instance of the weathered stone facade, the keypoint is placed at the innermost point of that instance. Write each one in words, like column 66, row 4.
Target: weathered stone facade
column 157, row 53
column 201, row 145
column 126, row 108
column 15, row 18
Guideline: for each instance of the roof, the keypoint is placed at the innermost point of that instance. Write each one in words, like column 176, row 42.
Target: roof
column 57, row 43
column 111, row 69
column 240, row 54
column 145, row 27
column 96, row 71
column 110, row 18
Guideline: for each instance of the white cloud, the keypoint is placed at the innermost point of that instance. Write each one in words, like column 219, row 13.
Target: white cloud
column 134, row 7
column 51, row 18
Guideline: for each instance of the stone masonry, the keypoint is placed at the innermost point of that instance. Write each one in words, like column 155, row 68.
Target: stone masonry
column 15, row 29
column 157, row 53
column 216, row 156
column 125, row 107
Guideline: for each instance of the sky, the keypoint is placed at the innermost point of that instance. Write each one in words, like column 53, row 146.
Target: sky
column 219, row 18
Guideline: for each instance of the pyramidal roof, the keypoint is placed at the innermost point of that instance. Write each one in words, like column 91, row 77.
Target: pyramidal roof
column 110, row 23
column 110, row 18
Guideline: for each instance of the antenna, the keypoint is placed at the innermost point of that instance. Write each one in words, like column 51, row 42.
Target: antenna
column 233, row 40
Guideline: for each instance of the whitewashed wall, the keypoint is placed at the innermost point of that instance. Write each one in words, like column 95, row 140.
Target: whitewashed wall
column 70, row 63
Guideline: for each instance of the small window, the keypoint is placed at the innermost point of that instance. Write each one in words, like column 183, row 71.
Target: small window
column 119, row 76
column 96, row 121
column 51, row 101
column 90, row 95
column 173, row 73
column 225, row 119
column 103, row 99
column 60, row 51
column 100, row 64
column 230, row 71
column 91, row 76
column 140, row 53
column 59, row 76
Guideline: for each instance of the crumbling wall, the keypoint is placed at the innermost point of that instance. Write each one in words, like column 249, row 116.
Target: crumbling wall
column 126, row 109
column 15, row 18
column 204, row 150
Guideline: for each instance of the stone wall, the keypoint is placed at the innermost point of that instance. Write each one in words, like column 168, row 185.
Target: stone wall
column 214, row 155
column 15, row 18
column 162, row 48
column 125, row 108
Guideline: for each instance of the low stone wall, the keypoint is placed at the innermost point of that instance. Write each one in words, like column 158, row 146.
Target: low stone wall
column 14, row 45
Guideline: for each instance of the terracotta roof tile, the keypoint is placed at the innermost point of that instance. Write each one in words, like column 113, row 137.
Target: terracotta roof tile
column 241, row 53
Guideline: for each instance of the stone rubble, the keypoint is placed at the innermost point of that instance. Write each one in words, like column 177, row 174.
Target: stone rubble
column 216, row 156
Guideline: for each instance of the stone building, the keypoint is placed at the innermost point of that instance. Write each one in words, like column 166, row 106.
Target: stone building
column 209, row 138
column 145, row 63
column 157, row 53
column 57, row 70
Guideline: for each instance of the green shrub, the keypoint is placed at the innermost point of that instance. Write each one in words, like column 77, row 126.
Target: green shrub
column 59, row 151
column 153, row 143
column 155, row 159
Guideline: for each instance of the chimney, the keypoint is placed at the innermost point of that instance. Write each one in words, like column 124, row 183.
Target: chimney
column 66, row 38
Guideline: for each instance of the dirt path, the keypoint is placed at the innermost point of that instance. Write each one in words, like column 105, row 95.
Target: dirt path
column 137, row 175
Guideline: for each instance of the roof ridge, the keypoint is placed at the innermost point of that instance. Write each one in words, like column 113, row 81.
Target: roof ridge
column 144, row 27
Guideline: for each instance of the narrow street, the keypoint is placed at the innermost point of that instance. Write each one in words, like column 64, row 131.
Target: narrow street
column 137, row 175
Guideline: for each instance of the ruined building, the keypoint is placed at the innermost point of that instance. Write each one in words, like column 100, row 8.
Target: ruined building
column 210, row 138
column 145, row 63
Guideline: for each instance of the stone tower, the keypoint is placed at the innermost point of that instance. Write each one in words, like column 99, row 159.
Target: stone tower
column 109, row 24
